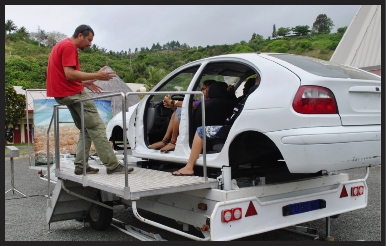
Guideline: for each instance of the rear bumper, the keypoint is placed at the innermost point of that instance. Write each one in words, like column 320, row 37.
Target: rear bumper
column 269, row 210
column 309, row 150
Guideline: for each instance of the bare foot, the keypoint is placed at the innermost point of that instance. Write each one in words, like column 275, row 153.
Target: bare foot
column 184, row 172
column 158, row 145
column 169, row 147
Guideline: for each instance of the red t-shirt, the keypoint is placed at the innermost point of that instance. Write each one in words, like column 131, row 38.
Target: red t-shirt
column 64, row 54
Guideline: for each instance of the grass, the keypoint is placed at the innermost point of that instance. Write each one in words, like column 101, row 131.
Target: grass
column 21, row 151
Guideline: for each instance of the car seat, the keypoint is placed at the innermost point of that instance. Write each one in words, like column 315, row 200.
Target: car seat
column 217, row 108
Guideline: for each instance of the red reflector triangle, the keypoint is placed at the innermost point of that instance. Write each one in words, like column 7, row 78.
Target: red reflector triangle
column 344, row 192
column 251, row 210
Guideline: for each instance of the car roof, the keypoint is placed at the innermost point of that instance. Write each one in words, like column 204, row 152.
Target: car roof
column 311, row 65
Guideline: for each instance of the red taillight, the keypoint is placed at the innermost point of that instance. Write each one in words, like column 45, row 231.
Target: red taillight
column 229, row 215
column 236, row 213
column 226, row 215
column 314, row 100
column 357, row 190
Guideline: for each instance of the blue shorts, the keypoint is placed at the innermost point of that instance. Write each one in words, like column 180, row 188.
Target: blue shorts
column 179, row 114
column 210, row 131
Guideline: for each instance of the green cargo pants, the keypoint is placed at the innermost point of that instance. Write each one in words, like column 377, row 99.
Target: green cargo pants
column 95, row 130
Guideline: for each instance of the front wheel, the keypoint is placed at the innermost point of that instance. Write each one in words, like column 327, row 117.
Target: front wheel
column 100, row 217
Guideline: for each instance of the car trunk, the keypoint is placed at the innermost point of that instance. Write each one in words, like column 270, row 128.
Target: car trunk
column 359, row 101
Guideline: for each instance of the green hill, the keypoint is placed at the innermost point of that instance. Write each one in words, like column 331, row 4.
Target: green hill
column 26, row 60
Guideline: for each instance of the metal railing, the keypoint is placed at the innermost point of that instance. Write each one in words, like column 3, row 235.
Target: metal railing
column 203, row 119
column 55, row 119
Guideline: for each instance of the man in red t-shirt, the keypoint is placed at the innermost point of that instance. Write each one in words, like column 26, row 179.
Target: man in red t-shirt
column 65, row 82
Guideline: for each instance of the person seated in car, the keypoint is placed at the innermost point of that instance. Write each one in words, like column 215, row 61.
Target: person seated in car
column 247, row 85
column 168, row 142
column 212, row 132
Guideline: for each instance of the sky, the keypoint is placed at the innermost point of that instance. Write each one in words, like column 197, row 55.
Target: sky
column 123, row 27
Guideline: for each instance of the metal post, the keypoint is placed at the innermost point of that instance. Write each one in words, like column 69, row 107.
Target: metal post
column 328, row 237
column 14, row 152
column 124, row 139
column 26, row 116
column 83, row 141
column 203, row 138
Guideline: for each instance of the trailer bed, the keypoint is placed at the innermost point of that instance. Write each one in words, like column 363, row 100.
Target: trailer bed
column 142, row 182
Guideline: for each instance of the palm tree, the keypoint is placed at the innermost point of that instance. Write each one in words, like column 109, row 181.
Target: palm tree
column 23, row 32
column 10, row 26
column 155, row 75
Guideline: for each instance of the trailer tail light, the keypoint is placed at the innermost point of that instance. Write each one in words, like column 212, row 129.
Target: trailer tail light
column 357, row 190
column 229, row 215
column 361, row 190
column 236, row 213
column 226, row 215
column 314, row 100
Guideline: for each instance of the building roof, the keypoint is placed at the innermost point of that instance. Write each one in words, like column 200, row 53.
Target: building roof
column 360, row 46
column 30, row 95
column 116, row 85
column 134, row 86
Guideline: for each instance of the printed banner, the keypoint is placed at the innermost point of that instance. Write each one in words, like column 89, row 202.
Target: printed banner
column 68, row 132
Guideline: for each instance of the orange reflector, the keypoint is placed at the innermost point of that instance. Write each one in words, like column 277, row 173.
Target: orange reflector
column 202, row 206
column 344, row 192
column 251, row 210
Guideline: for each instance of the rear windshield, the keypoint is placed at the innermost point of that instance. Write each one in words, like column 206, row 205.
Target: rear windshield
column 324, row 68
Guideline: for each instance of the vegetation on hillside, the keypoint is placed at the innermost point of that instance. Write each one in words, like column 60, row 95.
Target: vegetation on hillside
column 26, row 54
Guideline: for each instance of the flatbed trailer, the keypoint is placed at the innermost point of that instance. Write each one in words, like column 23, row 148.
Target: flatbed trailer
column 221, row 209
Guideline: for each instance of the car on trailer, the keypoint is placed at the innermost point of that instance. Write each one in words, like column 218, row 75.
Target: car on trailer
column 278, row 167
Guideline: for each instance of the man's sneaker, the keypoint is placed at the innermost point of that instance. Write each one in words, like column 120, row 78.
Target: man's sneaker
column 119, row 170
column 89, row 170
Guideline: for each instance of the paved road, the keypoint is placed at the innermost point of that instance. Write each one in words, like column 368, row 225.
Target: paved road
column 25, row 217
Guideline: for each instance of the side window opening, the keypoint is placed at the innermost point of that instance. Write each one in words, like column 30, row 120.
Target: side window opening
column 156, row 116
column 232, row 73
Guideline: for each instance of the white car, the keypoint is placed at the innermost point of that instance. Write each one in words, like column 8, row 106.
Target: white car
column 307, row 116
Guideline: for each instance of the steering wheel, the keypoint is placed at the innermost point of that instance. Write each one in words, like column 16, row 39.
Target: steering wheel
column 179, row 97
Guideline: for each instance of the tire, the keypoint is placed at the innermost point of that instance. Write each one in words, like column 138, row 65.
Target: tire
column 100, row 217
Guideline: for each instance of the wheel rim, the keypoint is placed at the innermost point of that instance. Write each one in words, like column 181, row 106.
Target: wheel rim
column 95, row 212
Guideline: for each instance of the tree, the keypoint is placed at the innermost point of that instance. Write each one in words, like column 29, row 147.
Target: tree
column 322, row 24
column 301, row 30
column 154, row 75
column 341, row 30
column 39, row 36
column 10, row 26
column 22, row 31
column 243, row 49
column 53, row 38
column 274, row 34
column 14, row 106
column 253, row 36
column 283, row 31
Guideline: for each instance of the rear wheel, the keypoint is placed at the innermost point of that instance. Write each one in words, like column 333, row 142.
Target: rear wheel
column 100, row 217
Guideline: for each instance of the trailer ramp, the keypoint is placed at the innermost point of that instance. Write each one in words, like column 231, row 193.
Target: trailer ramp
column 143, row 182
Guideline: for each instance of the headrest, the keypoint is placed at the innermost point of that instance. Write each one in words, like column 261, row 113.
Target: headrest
column 248, row 85
column 218, row 90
